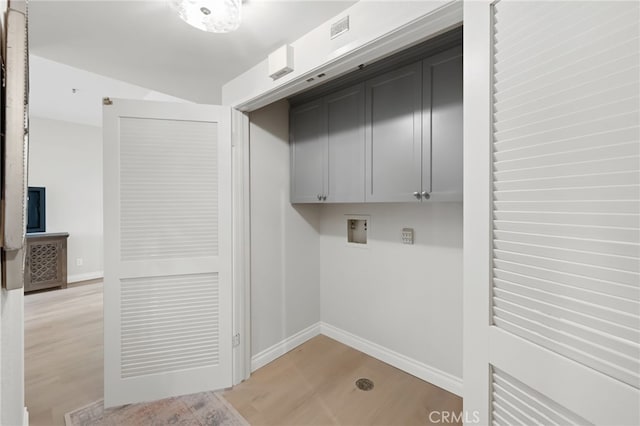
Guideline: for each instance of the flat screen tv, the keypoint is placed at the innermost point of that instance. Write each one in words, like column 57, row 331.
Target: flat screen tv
column 36, row 209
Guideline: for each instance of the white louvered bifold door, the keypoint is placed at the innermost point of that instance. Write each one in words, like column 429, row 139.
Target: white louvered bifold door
column 565, row 326
column 167, row 226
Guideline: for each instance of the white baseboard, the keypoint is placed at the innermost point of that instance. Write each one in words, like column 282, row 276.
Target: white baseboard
column 423, row 371
column 85, row 277
column 265, row 357
column 25, row 417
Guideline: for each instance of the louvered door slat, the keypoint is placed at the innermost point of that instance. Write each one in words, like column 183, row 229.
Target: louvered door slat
column 598, row 316
column 566, row 186
column 157, row 171
column 561, row 265
column 580, row 326
column 602, row 260
column 543, row 47
column 576, row 65
column 613, row 164
column 538, row 112
column 619, row 290
column 570, row 113
column 579, row 181
column 614, row 220
column 576, row 293
column 530, row 405
column 570, row 346
column 627, row 235
column 604, row 248
column 623, row 149
column 524, row 405
column 572, row 92
column 579, row 206
column 588, row 78
column 572, row 52
column 541, row 19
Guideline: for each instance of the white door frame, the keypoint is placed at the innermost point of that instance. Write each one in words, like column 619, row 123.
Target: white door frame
column 476, row 207
column 241, row 270
column 427, row 26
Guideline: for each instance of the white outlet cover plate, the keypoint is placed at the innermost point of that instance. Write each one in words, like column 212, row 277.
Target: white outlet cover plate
column 407, row 235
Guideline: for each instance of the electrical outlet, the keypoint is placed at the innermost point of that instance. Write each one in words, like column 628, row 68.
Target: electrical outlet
column 79, row 261
column 407, row 235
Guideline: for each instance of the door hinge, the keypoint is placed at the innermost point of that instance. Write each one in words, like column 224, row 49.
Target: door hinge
column 236, row 340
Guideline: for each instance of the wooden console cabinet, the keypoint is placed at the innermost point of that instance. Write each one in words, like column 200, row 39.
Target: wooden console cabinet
column 46, row 261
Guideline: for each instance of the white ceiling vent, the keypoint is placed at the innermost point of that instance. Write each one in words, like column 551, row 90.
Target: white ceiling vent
column 340, row 27
column 281, row 62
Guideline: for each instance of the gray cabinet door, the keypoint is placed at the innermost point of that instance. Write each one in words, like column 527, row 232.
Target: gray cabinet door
column 308, row 138
column 345, row 124
column 442, row 124
column 394, row 135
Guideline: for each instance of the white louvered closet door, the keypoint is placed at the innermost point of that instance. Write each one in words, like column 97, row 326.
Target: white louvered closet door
column 167, row 231
column 564, row 291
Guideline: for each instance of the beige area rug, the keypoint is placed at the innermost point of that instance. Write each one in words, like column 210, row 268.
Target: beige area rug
column 206, row 409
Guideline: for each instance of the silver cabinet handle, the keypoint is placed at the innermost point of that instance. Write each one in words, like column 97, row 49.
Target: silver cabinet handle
column 417, row 195
column 425, row 195
column 324, row 198
column 319, row 197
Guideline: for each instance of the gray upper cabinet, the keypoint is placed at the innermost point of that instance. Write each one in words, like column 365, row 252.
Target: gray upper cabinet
column 345, row 144
column 394, row 135
column 308, row 138
column 327, row 148
column 395, row 138
column 442, row 125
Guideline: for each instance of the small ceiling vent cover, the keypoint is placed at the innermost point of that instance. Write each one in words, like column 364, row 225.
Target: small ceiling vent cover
column 340, row 27
column 364, row 384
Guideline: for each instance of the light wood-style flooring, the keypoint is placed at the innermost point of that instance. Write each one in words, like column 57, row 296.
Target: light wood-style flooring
column 311, row 385
column 63, row 351
column 315, row 385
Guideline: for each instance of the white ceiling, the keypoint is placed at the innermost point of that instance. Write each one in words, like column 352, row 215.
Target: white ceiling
column 146, row 44
column 64, row 93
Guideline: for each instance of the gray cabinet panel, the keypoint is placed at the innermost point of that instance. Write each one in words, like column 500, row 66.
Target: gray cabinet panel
column 394, row 135
column 345, row 124
column 442, row 88
column 308, row 138
column 384, row 140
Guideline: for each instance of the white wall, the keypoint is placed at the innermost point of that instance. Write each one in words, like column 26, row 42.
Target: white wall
column 285, row 243
column 316, row 52
column 405, row 298
column 52, row 96
column 66, row 158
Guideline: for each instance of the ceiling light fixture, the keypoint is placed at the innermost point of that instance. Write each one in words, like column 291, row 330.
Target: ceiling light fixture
column 216, row 16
